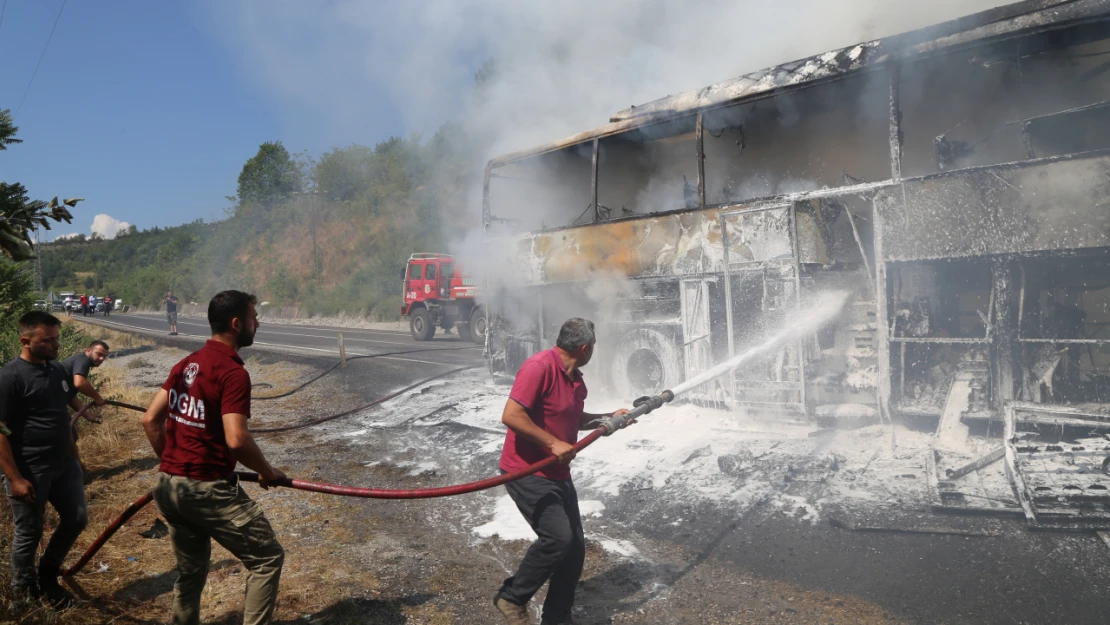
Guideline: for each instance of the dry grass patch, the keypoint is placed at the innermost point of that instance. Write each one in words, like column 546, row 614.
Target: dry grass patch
column 130, row 579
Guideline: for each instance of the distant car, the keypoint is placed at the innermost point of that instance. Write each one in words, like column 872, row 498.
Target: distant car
column 58, row 305
column 42, row 304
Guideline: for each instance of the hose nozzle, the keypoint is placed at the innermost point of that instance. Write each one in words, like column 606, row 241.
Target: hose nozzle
column 641, row 407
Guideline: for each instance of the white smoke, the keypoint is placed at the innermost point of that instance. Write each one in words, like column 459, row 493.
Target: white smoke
column 108, row 226
column 562, row 67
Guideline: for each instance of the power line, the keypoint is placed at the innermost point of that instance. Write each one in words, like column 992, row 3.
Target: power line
column 44, row 48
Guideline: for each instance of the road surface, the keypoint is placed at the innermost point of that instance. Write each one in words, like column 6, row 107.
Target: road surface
column 1003, row 574
column 445, row 350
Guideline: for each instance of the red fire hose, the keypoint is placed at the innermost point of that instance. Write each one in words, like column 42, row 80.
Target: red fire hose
column 108, row 532
column 607, row 427
column 346, row 491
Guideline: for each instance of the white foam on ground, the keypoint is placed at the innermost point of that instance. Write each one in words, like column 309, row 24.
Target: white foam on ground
column 508, row 524
column 658, row 452
column 676, row 452
column 619, row 547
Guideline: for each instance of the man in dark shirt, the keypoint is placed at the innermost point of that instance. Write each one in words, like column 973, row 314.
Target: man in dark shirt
column 77, row 367
column 197, row 425
column 171, row 311
column 39, row 458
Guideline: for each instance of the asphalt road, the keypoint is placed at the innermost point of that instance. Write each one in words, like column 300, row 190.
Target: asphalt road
column 445, row 350
column 1013, row 577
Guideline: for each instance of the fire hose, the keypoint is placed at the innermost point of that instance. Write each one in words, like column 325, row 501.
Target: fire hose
column 641, row 407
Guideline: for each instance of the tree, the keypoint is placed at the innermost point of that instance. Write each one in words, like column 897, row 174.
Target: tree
column 343, row 173
column 269, row 178
column 19, row 214
column 15, row 299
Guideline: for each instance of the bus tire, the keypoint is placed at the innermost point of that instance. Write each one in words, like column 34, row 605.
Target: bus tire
column 478, row 325
column 645, row 363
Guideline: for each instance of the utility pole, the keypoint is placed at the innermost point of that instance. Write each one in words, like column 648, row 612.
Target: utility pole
column 315, row 258
column 38, row 262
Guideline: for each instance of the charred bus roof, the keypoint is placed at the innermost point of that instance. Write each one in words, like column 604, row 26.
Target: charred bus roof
column 987, row 26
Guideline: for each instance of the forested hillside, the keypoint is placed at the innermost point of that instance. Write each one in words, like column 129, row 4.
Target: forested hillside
column 328, row 234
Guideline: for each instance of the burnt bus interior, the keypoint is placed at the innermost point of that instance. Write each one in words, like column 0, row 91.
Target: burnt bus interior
column 890, row 181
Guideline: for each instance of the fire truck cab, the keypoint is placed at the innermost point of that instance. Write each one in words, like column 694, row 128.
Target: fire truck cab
column 436, row 294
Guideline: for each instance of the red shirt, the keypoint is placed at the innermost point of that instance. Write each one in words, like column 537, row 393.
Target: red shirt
column 84, row 300
column 206, row 385
column 554, row 401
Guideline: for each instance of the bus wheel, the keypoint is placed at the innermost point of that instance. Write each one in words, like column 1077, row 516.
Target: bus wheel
column 645, row 363
column 478, row 326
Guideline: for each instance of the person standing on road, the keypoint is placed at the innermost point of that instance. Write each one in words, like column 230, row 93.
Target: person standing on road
column 544, row 413
column 84, row 305
column 92, row 305
column 197, row 425
column 171, row 311
column 108, row 301
column 39, row 458
column 68, row 305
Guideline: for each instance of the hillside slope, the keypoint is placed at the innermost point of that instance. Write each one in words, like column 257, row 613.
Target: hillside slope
column 335, row 241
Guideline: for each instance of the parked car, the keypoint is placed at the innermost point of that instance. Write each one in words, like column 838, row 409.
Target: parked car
column 58, row 305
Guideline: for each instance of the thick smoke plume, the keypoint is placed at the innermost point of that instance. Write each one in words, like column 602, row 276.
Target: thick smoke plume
column 547, row 69
column 560, row 67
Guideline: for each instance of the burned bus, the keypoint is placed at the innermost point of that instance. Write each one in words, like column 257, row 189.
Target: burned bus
column 956, row 179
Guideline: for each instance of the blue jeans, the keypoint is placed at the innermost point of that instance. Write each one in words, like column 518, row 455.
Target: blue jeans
column 65, row 490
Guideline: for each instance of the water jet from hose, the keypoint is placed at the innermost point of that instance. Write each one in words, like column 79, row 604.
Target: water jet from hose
column 823, row 309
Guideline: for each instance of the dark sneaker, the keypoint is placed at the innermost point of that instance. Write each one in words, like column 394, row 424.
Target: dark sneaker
column 566, row 621
column 514, row 613
column 53, row 593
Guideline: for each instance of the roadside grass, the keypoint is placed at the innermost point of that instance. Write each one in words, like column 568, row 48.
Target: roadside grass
column 131, row 579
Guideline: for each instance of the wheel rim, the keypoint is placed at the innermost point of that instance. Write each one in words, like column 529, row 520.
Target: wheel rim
column 479, row 328
column 418, row 325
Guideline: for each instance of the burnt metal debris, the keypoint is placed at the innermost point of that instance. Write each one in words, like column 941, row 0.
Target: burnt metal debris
column 955, row 178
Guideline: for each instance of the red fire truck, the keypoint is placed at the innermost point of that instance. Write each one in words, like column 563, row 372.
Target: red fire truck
column 436, row 294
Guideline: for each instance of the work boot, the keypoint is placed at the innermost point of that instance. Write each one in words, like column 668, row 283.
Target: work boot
column 515, row 614
column 53, row 593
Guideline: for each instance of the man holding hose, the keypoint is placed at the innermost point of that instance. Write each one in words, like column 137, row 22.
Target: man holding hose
column 544, row 413
column 197, row 425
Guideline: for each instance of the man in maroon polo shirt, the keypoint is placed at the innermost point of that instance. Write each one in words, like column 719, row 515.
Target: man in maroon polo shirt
column 544, row 413
column 197, row 425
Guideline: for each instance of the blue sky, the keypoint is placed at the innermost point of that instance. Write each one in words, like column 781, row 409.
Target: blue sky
column 148, row 109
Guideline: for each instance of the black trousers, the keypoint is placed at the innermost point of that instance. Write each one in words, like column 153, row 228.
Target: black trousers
column 65, row 490
column 551, row 508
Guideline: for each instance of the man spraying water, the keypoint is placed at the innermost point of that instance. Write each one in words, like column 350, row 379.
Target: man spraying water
column 544, row 413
